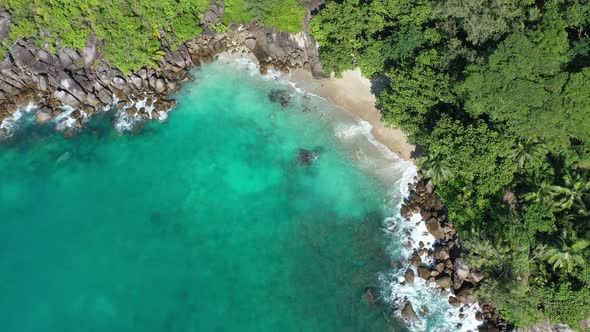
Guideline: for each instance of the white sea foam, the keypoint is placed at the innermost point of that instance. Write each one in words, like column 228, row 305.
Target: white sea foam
column 65, row 120
column 126, row 121
column 10, row 124
column 432, row 307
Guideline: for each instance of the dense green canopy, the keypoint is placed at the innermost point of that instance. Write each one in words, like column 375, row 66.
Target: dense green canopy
column 498, row 94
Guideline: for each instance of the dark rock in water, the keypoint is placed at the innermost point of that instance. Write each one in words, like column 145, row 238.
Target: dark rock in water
column 156, row 218
column 408, row 312
column 306, row 157
column 370, row 297
column 454, row 302
column 279, row 96
column 479, row 316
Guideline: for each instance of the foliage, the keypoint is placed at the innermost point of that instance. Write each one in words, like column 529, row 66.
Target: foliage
column 437, row 168
column 352, row 33
column 497, row 93
column 565, row 304
column 134, row 30
column 485, row 20
column 285, row 15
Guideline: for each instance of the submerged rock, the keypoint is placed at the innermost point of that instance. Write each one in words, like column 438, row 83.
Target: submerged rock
column 307, row 157
column 370, row 297
column 63, row 157
column 279, row 96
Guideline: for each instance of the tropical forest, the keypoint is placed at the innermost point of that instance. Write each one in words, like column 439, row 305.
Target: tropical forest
column 498, row 95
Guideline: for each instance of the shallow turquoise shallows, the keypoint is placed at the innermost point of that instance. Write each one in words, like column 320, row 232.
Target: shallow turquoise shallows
column 206, row 222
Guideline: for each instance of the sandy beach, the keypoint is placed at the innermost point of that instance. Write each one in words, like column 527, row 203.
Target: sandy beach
column 351, row 92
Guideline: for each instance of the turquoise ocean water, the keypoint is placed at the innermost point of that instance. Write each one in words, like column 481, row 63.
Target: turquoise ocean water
column 205, row 222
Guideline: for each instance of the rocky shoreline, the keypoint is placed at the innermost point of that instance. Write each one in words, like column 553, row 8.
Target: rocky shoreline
column 444, row 262
column 69, row 87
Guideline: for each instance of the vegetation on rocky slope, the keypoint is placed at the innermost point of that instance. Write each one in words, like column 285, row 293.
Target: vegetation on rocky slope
column 497, row 92
column 134, row 30
column 285, row 15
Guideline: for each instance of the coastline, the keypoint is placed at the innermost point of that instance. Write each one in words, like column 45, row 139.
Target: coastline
column 351, row 92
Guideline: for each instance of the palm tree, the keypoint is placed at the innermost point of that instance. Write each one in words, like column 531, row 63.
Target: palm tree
column 528, row 152
column 574, row 192
column 542, row 195
column 568, row 256
column 436, row 168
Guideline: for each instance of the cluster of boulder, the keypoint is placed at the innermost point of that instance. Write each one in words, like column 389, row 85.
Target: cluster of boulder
column 444, row 263
column 54, row 83
column 32, row 76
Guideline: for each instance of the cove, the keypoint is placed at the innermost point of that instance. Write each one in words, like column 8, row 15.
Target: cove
column 205, row 222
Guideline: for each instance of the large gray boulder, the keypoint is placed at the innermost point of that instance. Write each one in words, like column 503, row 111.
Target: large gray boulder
column 461, row 270
column 409, row 313
column 443, row 281
column 465, row 296
column 424, row 271
column 434, row 228
column 67, row 83
column 160, row 85
column 43, row 115
column 4, row 24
